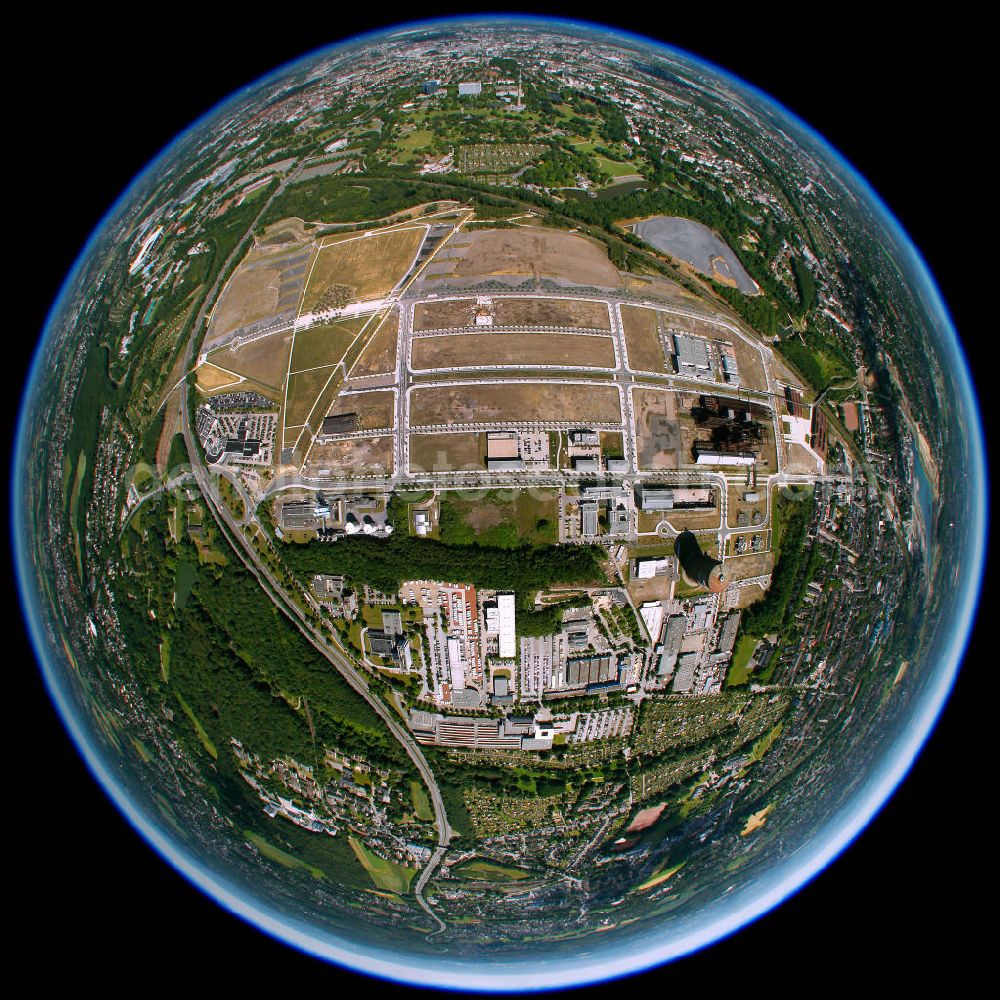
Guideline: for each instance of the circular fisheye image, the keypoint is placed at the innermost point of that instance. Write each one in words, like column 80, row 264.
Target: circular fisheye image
column 499, row 504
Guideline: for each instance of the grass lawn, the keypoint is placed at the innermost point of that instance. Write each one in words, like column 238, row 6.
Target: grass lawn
column 488, row 871
column 385, row 874
column 421, row 804
column 503, row 518
column 738, row 668
column 615, row 167
column 282, row 857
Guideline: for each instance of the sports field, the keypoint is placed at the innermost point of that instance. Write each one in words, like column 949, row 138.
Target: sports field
column 370, row 265
column 513, row 350
column 543, row 402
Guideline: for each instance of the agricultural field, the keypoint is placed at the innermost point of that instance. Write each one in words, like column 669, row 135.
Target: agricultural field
column 447, row 451
column 379, row 354
column 513, row 350
column 267, row 283
column 303, row 390
column 370, row 265
column 507, row 401
column 537, row 253
column 385, row 874
column 211, row 378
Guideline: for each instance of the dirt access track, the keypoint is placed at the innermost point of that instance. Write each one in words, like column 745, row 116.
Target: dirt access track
column 539, row 253
column 504, row 402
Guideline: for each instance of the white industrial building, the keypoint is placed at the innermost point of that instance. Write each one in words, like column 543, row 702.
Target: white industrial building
column 505, row 626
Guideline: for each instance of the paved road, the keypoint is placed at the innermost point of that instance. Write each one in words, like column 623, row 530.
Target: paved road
column 284, row 601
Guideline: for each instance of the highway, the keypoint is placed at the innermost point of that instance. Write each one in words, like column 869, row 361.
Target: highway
column 285, row 602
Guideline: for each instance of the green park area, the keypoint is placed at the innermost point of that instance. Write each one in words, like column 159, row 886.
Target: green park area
column 501, row 518
column 385, row 874
column 488, row 871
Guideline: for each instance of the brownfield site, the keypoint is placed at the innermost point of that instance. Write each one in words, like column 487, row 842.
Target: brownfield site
column 447, row 452
column 369, row 265
column 447, row 315
column 211, row 378
column 642, row 339
column 748, row 358
column 581, row 314
column 506, row 401
column 323, row 345
column 374, row 410
column 379, row 355
column 266, row 283
column 264, row 361
column 303, row 389
column 482, row 350
column 353, row 456
column 539, row 253
column 657, row 428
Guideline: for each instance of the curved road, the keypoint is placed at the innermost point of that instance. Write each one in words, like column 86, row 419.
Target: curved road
column 284, row 601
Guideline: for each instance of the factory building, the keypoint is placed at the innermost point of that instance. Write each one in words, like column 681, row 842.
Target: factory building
column 708, row 457
column 584, row 437
column 673, row 636
column 691, row 355
column 617, row 466
column 586, row 464
column 583, row 671
column 653, row 498
column 470, row 89
column 505, row 626
column 342, row 423
column 589, row 526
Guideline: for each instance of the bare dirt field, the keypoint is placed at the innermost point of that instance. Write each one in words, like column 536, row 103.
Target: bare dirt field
column 507, row 401
column 446, row 315
column 749, row 566
column 265, row 284
column 323, row 345
column 477, row 350
column 210, row 378
column 736, row 505
column 375, row 410
column 445, row 452
column 302, row 392
column 353, row 456
column 642, row 339
column 538, row 253
column 657, row 429
column 582, row 314
column 171, row 427
column 265, row 360
column 371, row 265
column 692, row 520
column 746, row 596
column 379, row 354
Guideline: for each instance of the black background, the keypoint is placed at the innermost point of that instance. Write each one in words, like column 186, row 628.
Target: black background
column 903, row 100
